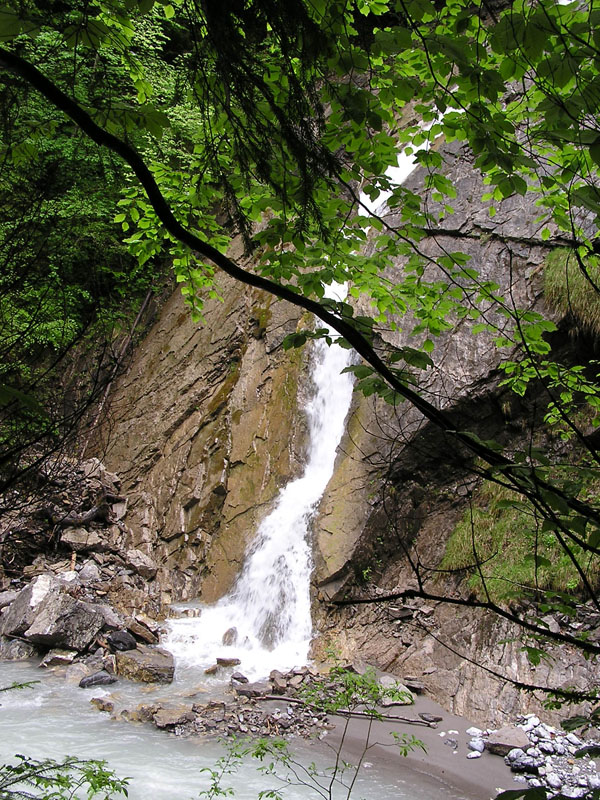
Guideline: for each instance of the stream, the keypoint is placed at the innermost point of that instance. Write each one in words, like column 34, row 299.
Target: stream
column 54, row 719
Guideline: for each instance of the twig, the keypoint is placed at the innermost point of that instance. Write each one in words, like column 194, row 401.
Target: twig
column 344, row 712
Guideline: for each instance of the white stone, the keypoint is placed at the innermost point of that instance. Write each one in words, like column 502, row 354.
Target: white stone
column 40, row 588
column 593, row 781
column 474, row 732
column 478, row 745
column 474, row 754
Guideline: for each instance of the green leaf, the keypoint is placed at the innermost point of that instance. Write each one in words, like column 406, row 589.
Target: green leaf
column 595, row 152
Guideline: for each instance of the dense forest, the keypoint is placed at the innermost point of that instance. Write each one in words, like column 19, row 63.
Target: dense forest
column 140, row 139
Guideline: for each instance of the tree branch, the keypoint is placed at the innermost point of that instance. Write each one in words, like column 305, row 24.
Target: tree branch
column 516, row 473
column 538, row 630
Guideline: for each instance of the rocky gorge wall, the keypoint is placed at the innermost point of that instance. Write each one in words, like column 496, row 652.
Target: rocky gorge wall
column 401, row 486
column 206, row 425
column 204, row 430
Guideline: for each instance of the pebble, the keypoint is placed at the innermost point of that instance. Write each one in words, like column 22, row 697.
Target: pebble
column 477, row 745
column 548, row 762
column 554, row 781
column 474, row 754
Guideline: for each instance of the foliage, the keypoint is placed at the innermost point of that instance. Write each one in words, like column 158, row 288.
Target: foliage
column 499, row 546
column 47, row 779
column 17, row 685
column 259, row 120
column 346, row 689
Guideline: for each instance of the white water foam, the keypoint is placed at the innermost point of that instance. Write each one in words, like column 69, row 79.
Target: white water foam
column 270, row 602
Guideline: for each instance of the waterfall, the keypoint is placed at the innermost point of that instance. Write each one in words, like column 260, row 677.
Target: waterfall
column 269, row 605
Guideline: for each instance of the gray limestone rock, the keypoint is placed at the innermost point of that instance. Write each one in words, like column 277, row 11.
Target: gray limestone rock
column 502, row 741
column 45, row 613
column 89, row 572
column 65, row 622
column 24, row 608
column 146, row 664
column 6, row 598
column 100, row 678
column 141, row 563
column 16, row 650
column 257, row 689
column 56, row 658
column 169, row 717
column 80, row 540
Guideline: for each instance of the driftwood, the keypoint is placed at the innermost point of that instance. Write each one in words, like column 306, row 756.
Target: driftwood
column 344, row 712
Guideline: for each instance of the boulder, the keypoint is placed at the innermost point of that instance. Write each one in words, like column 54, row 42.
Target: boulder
column 141, row 631
column 257, row 689
column 81, row 540
column 169, row 717
column 58, row 658
column 45, row 613
column 502, row 741
column 16, row 650
column 230, row 637
column 228, row 662
column 146, row 664
column 66, row 622
column 75, row 672
column 111, row 619
column 121, row 640
column 94, row 468
column 25, row 606
column 6, row 598
column 141, row 563
column 89, row 572
column 278, row 683
column 102, row 704
column 100, row 678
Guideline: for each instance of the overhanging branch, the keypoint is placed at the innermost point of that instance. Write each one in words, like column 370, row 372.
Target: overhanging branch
column 517, row 475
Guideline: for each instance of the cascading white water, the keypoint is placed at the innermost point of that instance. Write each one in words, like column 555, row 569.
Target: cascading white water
column 270, row 602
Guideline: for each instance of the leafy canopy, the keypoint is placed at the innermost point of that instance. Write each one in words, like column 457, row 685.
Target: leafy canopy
column 265, row 119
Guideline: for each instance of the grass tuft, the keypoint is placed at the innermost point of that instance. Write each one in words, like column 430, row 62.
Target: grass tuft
column 515, row 557
column 568, row 290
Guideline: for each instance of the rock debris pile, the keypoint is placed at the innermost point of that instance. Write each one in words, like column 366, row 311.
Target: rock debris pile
column 81, row 586
column 541, row 756
column 263, row 708
column 75, row 529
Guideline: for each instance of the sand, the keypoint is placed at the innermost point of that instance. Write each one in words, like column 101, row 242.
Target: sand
column 447, row 771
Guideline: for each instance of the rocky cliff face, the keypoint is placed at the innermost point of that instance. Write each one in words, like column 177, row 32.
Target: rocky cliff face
column 204, row 428
column 368, row 525
column 206, row 425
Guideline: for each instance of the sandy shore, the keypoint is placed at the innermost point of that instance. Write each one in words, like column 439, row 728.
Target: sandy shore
column 458, row 777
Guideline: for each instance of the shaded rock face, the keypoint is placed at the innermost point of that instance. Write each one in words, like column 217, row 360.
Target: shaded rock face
column 204, row 430
column 364, row 525
column 505, row 249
